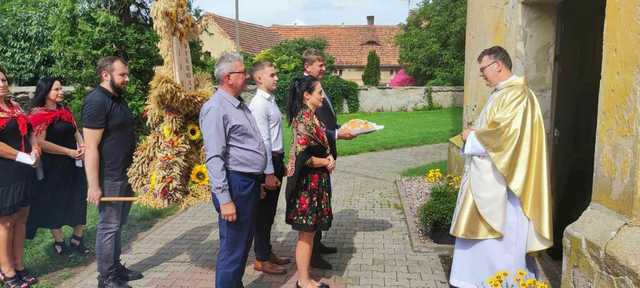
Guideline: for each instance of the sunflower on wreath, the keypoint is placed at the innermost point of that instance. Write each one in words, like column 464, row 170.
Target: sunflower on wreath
column 193, row 132
column 199, row 175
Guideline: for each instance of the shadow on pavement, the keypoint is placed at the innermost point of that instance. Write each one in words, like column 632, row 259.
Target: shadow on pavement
column 193, row 243
column 346, row 224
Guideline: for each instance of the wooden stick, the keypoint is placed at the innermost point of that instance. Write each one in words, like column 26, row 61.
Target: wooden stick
column 118, row 199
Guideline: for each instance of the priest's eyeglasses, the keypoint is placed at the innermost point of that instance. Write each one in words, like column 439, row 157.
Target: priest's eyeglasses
column 486, row 66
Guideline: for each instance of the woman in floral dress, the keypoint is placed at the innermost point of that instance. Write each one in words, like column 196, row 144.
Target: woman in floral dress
column 308, row 190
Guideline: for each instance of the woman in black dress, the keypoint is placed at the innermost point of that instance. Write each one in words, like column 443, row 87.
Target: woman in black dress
column 308, row 188
column 17, row 159
column 62, row 193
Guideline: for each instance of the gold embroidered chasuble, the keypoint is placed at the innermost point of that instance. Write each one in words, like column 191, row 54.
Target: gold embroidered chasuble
column 511, row 130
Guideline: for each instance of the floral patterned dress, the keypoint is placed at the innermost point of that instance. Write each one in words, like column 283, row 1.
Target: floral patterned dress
column 308, row 189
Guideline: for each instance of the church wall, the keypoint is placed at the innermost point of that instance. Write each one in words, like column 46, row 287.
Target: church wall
column 527, row 30
column 601, row 247
column 216, row 41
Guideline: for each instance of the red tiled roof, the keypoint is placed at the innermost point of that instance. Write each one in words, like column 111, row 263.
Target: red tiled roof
column 253, row 37
column 350, row 44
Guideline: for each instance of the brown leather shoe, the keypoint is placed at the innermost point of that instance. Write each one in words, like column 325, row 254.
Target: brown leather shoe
column 279, row 260
column 269, row 268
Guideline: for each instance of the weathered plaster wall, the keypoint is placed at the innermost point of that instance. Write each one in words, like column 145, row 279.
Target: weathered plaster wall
column 538, row 38
column 215, row 40
column 486, row 26
column 528, row 33
column 355, row 74
column 527, row 30
column 373, row 99
column 600, row 249
column 617, row 143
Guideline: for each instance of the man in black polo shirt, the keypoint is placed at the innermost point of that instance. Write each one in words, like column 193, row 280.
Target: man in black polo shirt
column 108, row 128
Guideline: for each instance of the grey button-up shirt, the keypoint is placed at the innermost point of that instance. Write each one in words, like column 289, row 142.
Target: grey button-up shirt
column 232, row 141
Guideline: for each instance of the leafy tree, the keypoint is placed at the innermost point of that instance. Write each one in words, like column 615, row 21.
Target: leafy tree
column 371, row 74
column 201, row 62
column 432, row 42
column 26, row 37
column 287, row 57
column 83, row 35
column 128, row 11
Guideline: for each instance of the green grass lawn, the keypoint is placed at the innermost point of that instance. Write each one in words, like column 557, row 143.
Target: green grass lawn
column 422, row 170
column 401, row 129
column 41, row 260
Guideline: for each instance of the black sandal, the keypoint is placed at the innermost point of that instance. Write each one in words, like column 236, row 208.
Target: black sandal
column 12, row 282
column 27, row 277
column 60, row 248
column 78, row 248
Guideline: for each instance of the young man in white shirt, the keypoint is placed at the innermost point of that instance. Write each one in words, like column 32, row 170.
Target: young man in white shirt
column 269, row 119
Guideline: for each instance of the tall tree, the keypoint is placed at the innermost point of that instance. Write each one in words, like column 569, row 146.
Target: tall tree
column 82, row 36
column 287, row 57
column 25, row 38
column 371, row 74
column 432, row 42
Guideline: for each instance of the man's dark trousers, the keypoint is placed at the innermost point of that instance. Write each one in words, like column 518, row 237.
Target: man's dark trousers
column 327, row 116
column 266, row 213
column 236, row 237
column 112, row 216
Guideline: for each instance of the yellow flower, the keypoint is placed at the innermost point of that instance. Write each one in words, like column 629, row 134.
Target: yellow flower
column 543, row 284
column 531, row 282
column 433, row 175
column 152, row 181
column 453, row 181
column 199, row 175
column 521, row 273
column 166, row 130
column 193, row 131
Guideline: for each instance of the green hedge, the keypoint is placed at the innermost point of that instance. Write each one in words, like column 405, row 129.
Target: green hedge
column 340, row 90
column 436, row 214
column 337, row 88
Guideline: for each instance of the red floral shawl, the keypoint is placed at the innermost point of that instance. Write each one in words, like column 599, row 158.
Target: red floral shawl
column 15, row 112
column 42, row 117
column 309, row 140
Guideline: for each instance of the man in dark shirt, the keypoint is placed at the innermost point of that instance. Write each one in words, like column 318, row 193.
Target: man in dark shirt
column 108, row 128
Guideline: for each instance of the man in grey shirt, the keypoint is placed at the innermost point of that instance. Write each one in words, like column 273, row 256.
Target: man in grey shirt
column 235, row 159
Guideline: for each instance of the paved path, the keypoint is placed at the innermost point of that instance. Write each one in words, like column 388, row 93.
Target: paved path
column 369, row 230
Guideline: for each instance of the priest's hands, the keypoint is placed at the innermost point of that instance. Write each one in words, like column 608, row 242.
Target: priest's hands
column 466, row 132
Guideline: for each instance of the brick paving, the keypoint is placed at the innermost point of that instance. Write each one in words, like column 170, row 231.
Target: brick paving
column 369, row 229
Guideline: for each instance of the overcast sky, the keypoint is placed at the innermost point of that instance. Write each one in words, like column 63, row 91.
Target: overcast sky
column 312, row 12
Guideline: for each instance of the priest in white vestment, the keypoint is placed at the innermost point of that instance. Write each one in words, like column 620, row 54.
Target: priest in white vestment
column 503, row 209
